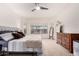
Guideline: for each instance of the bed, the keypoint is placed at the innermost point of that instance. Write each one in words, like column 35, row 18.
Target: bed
column 28, row 43
column 31, row 43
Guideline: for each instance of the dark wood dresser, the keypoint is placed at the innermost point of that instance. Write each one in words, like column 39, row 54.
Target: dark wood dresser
column 66, row 40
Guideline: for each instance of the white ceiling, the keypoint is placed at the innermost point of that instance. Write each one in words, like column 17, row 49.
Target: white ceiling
column 24, row 9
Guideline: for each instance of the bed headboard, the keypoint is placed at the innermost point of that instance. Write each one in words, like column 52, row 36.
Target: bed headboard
column 4, row 29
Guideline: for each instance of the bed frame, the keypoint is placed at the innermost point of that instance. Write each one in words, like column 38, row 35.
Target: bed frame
column 4, row 29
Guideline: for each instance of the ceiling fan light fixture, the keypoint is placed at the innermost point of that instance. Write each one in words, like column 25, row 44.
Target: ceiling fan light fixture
column 37, row 8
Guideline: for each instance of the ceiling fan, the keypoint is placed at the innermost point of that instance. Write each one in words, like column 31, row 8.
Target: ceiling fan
column 38, row 7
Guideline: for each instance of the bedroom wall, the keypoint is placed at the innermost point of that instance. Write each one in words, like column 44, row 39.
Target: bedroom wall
column 70, row 18
column 7, row 16
column 67, row 14
column 29, row 21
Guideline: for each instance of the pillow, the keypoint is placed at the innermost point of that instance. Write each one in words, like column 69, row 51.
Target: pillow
column 21, row 33
column 7, row 36
column 17, row 35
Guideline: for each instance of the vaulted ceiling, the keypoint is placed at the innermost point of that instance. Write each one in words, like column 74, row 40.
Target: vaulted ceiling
column 55, row 9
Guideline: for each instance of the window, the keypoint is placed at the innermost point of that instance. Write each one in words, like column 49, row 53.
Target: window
column 39, row 29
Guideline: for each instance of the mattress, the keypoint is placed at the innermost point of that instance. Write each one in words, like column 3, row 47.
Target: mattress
column 27, row 43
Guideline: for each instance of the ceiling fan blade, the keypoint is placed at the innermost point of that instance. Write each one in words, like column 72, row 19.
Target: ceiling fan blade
column 43, row 8
column 33, row 10
column 36, row 4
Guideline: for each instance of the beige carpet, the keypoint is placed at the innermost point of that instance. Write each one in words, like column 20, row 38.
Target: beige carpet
column 51, row 48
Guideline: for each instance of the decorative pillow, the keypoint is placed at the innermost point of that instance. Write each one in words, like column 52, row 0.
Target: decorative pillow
column 21, row 33
column 17, row 35
column 7, row 36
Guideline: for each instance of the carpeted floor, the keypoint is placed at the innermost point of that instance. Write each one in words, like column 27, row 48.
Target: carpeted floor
column 51, row 48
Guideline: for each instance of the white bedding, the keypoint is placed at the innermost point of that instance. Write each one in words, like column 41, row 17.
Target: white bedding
column 25, row 44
